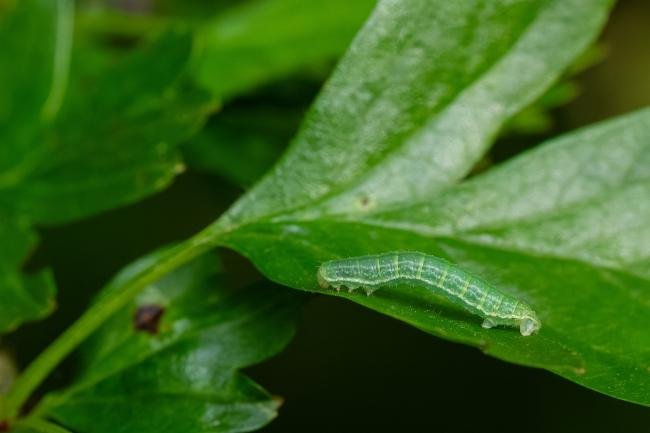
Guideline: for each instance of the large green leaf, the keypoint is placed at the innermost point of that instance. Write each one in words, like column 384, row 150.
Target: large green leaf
column 258, row 41
column 392, row 126
column 374, row 168
column 563, row 227
column 179, row 372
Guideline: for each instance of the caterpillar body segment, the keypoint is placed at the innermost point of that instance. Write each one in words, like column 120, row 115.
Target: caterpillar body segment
column 440, row 276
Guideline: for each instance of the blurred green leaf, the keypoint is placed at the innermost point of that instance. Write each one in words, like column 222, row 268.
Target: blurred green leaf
column 242, row 144
column 375, row 165
column 109, row 148
column 22, row 297
column 27, row 71
column 82, row 139
column 255, row 42
column 240, row 47
column 176, row 369
column 33, row 78
column 537, row 118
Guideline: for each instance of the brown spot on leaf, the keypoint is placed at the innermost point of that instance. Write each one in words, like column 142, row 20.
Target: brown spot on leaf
column 4, row 426
column 364, row 201
column 147, row 318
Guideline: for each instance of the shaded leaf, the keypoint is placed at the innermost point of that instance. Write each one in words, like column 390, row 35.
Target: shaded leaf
column 537, row 118
column 255, row 42
column 22, row 298
column 184, row 377
column 242, row 144
column 132, row 151
column 70, row 147
column 33, row 72
column 27, row 71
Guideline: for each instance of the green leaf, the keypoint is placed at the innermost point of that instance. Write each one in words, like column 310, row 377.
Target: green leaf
column 242, row 144
column 79, row 140
column 22, row 298
column 256, row 42
column 108, row 148
column 537, row 118
column 375, row 169
column 583, row 196
column 563, row 227
column 392, row 126
column 33, row 70
column 179, row 371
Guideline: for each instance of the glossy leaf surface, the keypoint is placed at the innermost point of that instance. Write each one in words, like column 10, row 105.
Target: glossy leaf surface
column 170, row 361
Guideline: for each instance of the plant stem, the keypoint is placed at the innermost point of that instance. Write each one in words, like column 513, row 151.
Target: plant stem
column 42, row 426
column 98, row 313
column 3, row 407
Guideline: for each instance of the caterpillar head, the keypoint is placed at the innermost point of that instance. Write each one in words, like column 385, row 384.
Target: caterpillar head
column 529, row 325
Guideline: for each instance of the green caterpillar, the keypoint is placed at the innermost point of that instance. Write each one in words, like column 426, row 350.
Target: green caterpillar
column 441, row 276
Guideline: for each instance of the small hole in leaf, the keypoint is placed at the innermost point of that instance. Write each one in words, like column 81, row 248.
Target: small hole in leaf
column 147, row 318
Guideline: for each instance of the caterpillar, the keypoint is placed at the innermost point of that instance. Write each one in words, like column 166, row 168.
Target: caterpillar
column 442, row 277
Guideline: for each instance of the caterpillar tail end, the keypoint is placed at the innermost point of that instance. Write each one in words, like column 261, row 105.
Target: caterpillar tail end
column 322, row 281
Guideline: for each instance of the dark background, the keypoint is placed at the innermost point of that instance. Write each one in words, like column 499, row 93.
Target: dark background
column 350, row 369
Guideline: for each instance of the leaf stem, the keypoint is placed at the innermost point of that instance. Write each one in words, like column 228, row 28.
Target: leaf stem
column 3, row 407
column 98, row 313
column 42, row 426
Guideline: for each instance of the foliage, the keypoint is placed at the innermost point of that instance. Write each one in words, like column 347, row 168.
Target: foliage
column 96, row 115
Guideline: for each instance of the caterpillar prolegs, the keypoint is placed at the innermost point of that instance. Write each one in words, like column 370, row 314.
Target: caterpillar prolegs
column 442, row 277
